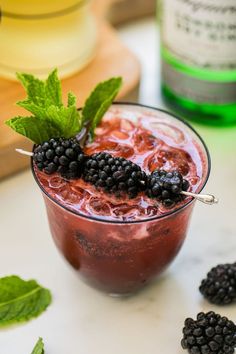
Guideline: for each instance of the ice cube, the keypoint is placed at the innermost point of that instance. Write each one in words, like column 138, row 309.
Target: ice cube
column 194, row 180
column 126, row 124
column 125, row 151
column 126, row 212
column 144, row 142
column 154, row 161
column 78, row 190
column 151, row 211
column 172, row 132
column 68, row 195
column 101, row 130
column 56, row 182
column 99, row 207
column 107, row 145
column 119, row 134
column 183, row 168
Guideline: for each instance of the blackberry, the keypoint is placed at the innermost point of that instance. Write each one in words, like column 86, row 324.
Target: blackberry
column 114, row 174
column 219, row 287
column 166, row 186
column 209, row 334
column 60, row 155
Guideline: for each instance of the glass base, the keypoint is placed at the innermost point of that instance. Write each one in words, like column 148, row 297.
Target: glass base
column 209, row 114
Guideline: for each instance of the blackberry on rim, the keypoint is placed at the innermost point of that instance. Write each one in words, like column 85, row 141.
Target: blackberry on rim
column 166, row 186
column 61, row 155
column 114, row 174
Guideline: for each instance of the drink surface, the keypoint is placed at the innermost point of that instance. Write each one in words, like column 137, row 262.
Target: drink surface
column 144, row 139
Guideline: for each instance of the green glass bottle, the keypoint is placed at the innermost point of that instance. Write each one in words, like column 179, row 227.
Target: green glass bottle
column 198, row 51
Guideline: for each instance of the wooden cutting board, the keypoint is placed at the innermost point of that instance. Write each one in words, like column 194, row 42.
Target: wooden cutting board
column 112, row 59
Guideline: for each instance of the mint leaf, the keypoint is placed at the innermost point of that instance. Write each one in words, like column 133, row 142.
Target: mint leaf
column 99, row 101
column 37, row 130
column 71, row 100
column 67, row 119
column 34, row 87
column 50, row 119
column 30, row 106
column 21, row 300
column 42, row 93
column 39, row 347
column 53, row 89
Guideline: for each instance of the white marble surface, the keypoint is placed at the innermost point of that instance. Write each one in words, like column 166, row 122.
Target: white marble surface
column 84, row 321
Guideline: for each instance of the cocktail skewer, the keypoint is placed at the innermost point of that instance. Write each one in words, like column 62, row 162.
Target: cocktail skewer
column 204, row 198
column 24, row 152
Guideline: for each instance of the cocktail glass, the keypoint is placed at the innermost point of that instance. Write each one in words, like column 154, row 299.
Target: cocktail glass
column 120, row 257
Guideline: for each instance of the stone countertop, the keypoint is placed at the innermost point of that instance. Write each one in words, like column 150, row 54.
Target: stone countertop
column 84, row 321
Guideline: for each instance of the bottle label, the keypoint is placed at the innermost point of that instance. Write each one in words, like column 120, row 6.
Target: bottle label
column 201, row 32
column 198, row 90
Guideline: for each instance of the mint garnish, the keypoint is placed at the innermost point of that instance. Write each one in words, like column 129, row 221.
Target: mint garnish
column 99, row 101
column 21, row 300
column 39, row 347
column 50, row 118
column 37, row 130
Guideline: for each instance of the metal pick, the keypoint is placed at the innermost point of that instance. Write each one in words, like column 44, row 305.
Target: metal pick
column 204, row 198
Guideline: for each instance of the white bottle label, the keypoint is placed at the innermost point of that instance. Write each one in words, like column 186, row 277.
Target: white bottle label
column 201, row 32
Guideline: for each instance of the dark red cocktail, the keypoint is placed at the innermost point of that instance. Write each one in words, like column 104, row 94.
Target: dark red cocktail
column 117, row 245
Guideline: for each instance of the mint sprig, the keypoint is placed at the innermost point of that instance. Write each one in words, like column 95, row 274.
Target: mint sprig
column 21, row 300
column 50, row 118
column 39, row 347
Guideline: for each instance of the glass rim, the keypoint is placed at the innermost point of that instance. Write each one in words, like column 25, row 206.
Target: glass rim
column 172, row 212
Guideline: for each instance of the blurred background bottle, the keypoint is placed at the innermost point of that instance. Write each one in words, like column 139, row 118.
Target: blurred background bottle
column 198, row 49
